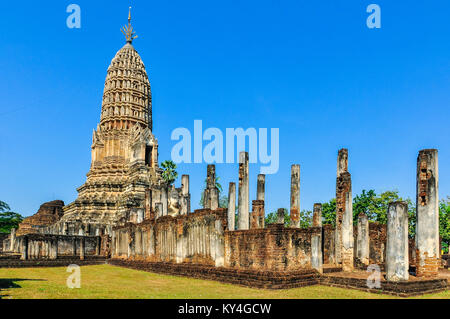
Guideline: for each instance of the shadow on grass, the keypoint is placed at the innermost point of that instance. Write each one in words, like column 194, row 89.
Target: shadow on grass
column 11, row 283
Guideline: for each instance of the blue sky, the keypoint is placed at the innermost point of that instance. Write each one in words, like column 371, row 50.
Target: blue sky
column 310, row 68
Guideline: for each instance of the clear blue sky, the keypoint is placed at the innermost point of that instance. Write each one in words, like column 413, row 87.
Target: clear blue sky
column 311, row 68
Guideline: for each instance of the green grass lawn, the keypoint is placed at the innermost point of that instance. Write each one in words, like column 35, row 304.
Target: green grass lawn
column 106, row 281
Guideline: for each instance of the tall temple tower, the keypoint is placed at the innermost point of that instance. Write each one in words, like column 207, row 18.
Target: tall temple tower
column 124, row 165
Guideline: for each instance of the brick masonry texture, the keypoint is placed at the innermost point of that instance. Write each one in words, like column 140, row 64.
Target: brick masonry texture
column 282, row 280
column 274, row 247
column 246, row 277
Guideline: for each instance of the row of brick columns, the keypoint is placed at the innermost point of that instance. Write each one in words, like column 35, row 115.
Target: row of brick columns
column 52, row 244
column 397, row 250
column 255, row 219
column 427, row 224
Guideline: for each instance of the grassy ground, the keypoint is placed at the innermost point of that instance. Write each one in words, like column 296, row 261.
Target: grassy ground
column 106, row 281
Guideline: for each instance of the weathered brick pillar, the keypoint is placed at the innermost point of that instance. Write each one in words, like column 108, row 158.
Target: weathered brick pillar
column 82, row 248
column 295, row 196
column 186, row 196
column 159, row 210
column 258, row 207
column 148, row 203
column 427, row 214
column 140, row 215
column 164, row 200
column 24, row 248
column 362, row 241
column 280, row 216
column 316, row 252
column 258, row 214
column 344, row 241
column 12, row 239
column 54, row 248
column 214, row 195
column 211, row 193
column 397, row 262
column 210, row 183
column 317, row 215
column 243, row 192
column 261, row 187
column 231, row 212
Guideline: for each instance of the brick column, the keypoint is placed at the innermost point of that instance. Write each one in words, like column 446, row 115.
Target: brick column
column 397, row 263
column 186, row 197
column 211, row 193
column 243, row 192
column 260, row 187
column 280, row 216
column 231, row 212
column 257, row 214
column 159, row 210
column 54, row 248
column 295, row 196
column 316, row 252
column 427, row 214
column 24, row 247
column 214, row 196
column 164, row 200
column 344, row 241
column 148, row 203
column 317, row 215
column 82, row 248
column 362, row 241
column 12, row 240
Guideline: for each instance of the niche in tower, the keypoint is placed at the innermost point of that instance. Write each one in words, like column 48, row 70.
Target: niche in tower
column 148, row 155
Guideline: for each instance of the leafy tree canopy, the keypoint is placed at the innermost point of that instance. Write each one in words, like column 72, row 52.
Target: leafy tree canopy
column 169, row 172
column 8, row 219
column 444, row 223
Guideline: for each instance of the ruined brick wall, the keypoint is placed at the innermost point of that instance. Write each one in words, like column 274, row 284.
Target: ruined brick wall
column 192, row 238
column 3, row 242
column 377, row 243
column 272, row 248
column 328, row 246
column 40, row 246
column 48, row 214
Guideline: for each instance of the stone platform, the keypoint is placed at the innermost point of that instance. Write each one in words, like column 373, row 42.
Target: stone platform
column 249, row 278
column 415, row 286
column 14, row 261
column 333, row 276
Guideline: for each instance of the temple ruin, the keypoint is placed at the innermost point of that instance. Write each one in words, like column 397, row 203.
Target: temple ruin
column 128, row 215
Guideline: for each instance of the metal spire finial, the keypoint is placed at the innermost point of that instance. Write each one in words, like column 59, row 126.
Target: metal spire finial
column 128, row 30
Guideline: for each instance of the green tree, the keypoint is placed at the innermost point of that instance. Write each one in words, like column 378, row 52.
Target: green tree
column 444, row 223
column 329, row 212
column 306, row 218
column 272, row 218
column 223, row 201
column 169, row 172
column 8, row 219
column 367, row 203
column 373, row 205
